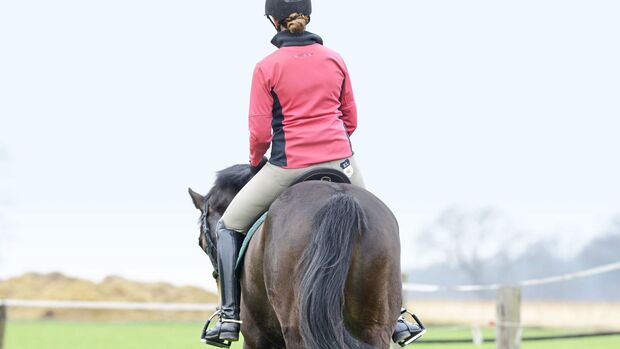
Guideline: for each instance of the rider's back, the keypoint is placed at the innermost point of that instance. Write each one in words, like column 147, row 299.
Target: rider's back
column 306, row 91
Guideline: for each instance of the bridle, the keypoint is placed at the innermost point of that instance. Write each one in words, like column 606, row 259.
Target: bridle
column 210, row 249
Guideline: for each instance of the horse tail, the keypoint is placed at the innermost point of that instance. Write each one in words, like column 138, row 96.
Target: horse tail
column 323, row 272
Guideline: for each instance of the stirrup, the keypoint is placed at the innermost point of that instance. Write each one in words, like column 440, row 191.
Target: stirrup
column 220, row 343
column 413, row 336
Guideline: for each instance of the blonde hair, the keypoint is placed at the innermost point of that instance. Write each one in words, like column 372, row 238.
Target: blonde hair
column 296, row 22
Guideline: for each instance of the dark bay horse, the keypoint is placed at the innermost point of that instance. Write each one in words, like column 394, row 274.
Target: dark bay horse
column 323, row 272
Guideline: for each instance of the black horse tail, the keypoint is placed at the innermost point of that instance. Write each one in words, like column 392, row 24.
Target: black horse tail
column 323, row 272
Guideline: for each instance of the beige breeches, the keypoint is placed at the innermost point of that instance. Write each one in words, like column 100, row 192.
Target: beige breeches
column 256, row 196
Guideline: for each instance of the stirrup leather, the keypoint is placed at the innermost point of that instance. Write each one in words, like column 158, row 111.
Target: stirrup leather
column 413, row 336
column 220, row 343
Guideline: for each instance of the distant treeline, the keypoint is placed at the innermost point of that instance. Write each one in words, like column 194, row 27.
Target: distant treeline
column 538, row 261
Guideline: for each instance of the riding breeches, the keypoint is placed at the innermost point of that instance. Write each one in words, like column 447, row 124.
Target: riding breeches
column 256, row 196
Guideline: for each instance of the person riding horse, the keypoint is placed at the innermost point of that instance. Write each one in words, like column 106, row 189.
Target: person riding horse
column 302, row 106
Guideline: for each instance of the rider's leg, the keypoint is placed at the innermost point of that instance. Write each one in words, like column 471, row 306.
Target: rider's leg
column 255, row 198
column 248, row 204
column 228, row 245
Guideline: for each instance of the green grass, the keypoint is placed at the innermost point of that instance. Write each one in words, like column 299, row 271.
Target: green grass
column 66, row 335
column 158, row 335
column 573, row 343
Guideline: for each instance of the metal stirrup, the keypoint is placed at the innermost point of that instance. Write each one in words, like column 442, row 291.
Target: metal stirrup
column 231, row 321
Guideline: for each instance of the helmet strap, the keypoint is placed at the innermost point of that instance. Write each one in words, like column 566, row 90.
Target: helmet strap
column 277, row 27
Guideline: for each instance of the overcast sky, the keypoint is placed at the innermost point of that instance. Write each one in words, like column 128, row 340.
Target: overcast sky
column 110, row 109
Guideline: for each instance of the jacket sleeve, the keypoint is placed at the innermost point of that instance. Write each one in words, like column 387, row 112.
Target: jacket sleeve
column 347, row 102
column 260, row 116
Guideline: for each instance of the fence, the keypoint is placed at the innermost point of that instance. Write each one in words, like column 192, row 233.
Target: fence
column 2, row 323
column 508, row 306
column 109, row 305
column 606, row 268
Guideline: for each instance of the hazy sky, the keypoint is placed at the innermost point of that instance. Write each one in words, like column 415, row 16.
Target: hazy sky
column 110, row 109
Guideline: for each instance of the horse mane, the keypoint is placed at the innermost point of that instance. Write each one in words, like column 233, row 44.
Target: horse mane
column 228, row 183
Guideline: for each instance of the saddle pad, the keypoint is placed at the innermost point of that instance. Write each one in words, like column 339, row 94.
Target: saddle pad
column 246, row 241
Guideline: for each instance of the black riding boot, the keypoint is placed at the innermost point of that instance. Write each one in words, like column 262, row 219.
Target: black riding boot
column 228, row 245
column 406, row 332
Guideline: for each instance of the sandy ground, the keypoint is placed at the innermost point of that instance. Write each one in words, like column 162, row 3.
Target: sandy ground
column 544, row 314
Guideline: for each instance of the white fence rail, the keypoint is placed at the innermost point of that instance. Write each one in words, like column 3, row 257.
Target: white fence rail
column 107, row 305
column 525, row 283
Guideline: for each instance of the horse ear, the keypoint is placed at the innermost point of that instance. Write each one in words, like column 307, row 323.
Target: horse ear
column 199, row 200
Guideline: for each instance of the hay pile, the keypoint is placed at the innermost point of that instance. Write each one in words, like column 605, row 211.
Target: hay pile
column 57, row 286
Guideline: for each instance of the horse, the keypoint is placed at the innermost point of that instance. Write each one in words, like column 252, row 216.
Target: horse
column 323, row 271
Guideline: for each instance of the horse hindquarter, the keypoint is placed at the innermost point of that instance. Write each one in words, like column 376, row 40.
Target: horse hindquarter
column 373, row 291
column 332, row 252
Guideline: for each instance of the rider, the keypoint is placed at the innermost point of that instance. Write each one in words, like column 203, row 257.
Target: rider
column 301, row 104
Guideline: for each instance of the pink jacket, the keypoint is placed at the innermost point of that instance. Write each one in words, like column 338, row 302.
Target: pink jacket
column 301, row 104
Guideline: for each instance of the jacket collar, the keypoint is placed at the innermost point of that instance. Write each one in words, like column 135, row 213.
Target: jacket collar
column 286, row 38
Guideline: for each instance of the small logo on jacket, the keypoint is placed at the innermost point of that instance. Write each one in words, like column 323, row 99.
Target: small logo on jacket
column 304, row 55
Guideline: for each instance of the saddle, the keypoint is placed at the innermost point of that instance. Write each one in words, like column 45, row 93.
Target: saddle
column 319, row 174
column 323, row 174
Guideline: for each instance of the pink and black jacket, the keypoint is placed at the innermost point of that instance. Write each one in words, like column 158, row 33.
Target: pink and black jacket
column 301, row 104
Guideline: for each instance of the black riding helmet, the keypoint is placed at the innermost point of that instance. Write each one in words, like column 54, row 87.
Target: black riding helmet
column 281, row 9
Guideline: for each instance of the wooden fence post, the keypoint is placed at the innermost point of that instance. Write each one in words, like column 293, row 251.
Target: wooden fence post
column 404, row 278
column 2, row 323
column 508, row 321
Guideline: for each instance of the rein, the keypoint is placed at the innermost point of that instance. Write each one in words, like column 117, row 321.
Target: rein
column 210, row 249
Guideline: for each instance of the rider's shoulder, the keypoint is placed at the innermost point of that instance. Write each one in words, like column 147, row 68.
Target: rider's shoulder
column 268, row 61
column 330, row 51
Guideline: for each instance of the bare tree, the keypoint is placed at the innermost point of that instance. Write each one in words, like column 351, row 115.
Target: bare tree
column 468, row 239
column 603, row 249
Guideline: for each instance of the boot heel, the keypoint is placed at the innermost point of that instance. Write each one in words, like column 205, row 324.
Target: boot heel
column 230, row 330
column 231, row 337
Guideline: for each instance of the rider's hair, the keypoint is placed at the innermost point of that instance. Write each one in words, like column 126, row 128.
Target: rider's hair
column 296, row 22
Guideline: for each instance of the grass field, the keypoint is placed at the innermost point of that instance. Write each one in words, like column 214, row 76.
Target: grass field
column 157, row 335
